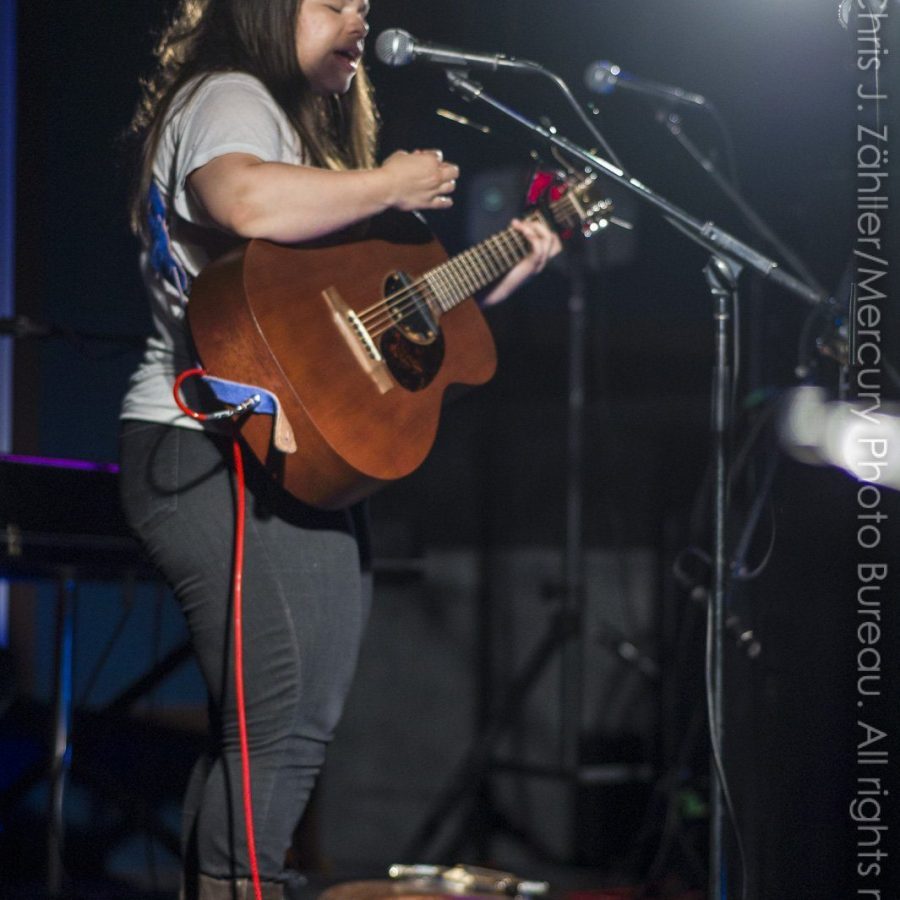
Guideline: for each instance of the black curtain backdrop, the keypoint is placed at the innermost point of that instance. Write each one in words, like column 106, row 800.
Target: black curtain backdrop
column 783, row 77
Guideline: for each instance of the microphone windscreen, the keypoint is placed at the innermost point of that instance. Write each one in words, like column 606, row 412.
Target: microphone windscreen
column 395, row 47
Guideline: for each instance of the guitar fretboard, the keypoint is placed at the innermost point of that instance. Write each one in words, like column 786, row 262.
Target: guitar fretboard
column 463, row 275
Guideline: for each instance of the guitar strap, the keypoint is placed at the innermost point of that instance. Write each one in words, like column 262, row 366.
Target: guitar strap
column 239, row 399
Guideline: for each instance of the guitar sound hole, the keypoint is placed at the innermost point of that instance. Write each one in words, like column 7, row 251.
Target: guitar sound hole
column 409, row 309
column 413, row 350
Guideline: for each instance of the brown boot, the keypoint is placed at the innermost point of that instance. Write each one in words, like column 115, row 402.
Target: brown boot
column 237, row 889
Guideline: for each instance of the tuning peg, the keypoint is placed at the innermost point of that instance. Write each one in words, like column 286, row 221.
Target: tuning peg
column 597, row 217
column 622, row 223
column 589, row 229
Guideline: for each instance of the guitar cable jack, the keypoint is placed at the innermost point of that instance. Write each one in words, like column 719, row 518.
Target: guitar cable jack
column 227, row 412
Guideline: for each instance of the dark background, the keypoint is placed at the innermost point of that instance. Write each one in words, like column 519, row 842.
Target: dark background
column 782, row 76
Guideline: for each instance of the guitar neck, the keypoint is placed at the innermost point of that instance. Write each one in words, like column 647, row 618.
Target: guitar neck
column 470, row 271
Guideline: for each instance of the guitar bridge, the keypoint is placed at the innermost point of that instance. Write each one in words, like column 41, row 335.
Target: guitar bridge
column 364, row 337
column 359, row 340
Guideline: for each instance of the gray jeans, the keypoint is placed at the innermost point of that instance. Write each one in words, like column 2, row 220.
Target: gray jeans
column 306, row 598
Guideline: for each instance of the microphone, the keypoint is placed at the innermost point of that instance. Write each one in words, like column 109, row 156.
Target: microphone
column 604, row 77
column 396, row 47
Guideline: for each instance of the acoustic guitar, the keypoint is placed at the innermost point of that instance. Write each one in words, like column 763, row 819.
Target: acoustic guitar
column 358, row 336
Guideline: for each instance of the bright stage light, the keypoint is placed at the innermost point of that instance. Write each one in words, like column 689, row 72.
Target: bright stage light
column 863, row 439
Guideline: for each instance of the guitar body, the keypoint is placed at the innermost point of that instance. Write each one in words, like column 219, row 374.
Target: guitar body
column 276, row 316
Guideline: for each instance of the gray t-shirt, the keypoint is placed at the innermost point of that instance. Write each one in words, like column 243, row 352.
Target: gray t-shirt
column 230, row 113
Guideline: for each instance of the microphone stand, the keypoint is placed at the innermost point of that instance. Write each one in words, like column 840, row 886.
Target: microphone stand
column 707, row 234
column 728, row 257
column 672, row 122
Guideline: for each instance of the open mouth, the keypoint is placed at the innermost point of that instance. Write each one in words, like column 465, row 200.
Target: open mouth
column 352, row 55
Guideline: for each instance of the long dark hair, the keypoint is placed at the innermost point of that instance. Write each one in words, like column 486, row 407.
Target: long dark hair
column 256, row 37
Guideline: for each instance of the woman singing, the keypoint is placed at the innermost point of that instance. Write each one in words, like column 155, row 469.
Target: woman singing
column 258, row 123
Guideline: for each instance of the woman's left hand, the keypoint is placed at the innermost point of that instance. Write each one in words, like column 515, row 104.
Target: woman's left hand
column 545, row 244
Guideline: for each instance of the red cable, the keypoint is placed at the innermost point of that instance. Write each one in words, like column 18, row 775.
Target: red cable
column 176, row 393
column 237, row 583
column 237, row 579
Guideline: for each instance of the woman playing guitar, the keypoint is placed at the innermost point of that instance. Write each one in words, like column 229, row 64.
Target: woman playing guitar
column 258, row 123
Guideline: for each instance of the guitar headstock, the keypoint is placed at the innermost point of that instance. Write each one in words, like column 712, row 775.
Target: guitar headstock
column 582, row 206
column 573, row 202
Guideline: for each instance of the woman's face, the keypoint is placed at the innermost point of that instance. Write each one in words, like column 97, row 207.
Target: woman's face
column 330, row 37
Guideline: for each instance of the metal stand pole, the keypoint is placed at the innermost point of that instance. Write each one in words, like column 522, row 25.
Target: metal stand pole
column 563, row 636
column 729, row 255
column 62, row 721
column 572, row 677
column 721, row 276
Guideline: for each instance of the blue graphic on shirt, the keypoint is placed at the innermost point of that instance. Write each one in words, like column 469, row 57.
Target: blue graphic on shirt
column 161, row 257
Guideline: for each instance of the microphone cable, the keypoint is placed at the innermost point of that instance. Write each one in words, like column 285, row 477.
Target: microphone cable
column 595, row 132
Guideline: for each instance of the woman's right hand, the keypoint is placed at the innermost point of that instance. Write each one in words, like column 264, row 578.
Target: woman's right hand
column 289, row 203
column 420, row 180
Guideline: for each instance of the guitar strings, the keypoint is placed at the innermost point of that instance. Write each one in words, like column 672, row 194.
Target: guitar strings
column 400, row 306
column 566, row 200
column 366, row 315
column 410, row 289
column 393, row 309
column 464, row 272
column 394, row 312
column 464, row 282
